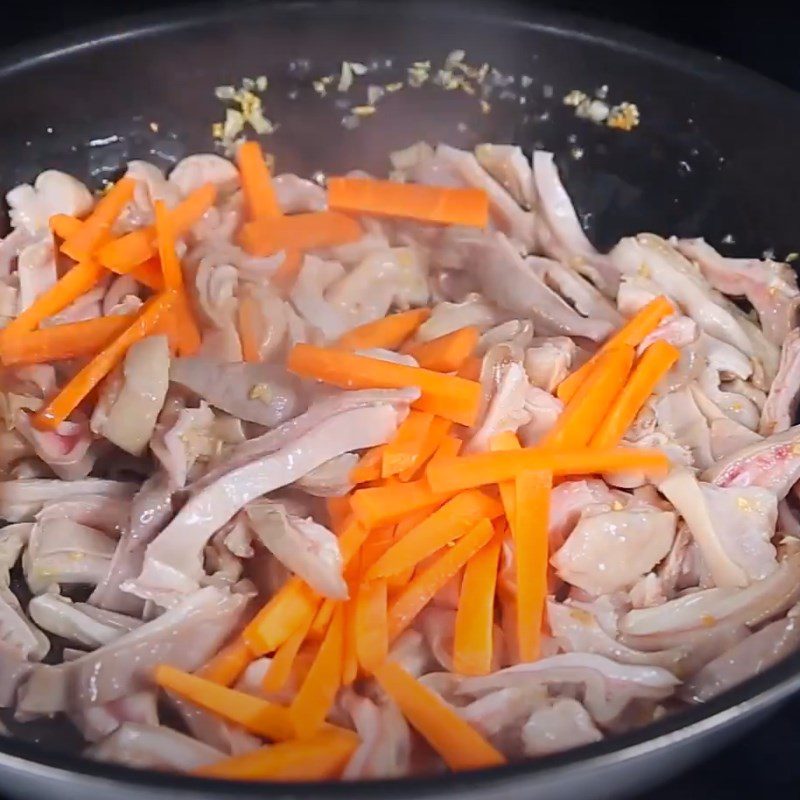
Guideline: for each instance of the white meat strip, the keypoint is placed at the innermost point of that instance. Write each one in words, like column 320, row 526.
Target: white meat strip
column 557, row 727
column 21, row 500
column 780, row 408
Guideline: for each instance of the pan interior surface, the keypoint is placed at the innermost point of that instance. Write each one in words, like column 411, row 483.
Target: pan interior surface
column 714, row 155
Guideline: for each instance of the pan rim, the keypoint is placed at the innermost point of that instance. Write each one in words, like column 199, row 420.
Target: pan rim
column 770, row 686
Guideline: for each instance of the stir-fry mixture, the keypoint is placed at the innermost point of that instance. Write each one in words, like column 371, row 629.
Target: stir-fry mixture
column 381, row 478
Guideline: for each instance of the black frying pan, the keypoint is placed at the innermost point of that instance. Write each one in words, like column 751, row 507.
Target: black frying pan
column 715, row 155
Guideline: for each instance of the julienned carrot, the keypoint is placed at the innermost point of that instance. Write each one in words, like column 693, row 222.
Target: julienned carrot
column 471, row 368
column 388, row 332
column 316, row 696
column 252, row 713
column 64, row 225
column 187, row 334
column 383, row 505
column 530, row 544
column 122, row 254
column 372, row 632
column 323, row 617
column 74, row 283
column 228, row 664
column 456, row 518
column 430, row 580
column 448, row 448
column 280, row 668
column 248, row 323
column 507, row 440
column 76, row 390
column 439, row 428
column 269, row 235
column 294, row 604
column 369, row 467
column 350, row 646
column 446, row 353
column 631, row 333
column 584, row 413
column 165, row 240
column 454, row 739
column 655, row 362
column 96, row 227
column 259, row 193
column 473, row 642
column 62, row 341
column 148, row 273
column 465, row 472
column 339, row 510
column 409, row 201
column 405, row 449
column 448, row 396
column 321, row 757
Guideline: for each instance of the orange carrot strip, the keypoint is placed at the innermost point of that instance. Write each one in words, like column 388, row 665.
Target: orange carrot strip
column 372, row 633
column 323, row 618
column 449, row 448
column 283, row 277
column 454, row 739
column 62, row 341
column 280, row 668
column 338, row 511
column 148, row 273
column 369, row 467
column 438, row 430
column 431, row 579
column 632, row 333
column 448, row 396
column 655, row 362
column 260, row 199
column 64, row 225
column 473, row 642
column 252, row 713
column 350, row 651
column 456, row 518
column 316, row 696
column 507, row 440
column 293, row 605
column 530, row 543
column 584, row 413
column 446, row 353
column 269, row 235
column 98, row 224
column 376, row 544
column 465, row 472
column 76, row 390
column 165, row 239
column 404, row 450
column 188, row 336
column 471, row 368
column 122, row 254
column 321, row 757
column 409, row 201
column 384, row 505
column 352, row 538
column 248, row 315
column 228, row 664
column 74, row 283
column 388, row 332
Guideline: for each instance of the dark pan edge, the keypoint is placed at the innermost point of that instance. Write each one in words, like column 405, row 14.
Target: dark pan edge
column 772, row 685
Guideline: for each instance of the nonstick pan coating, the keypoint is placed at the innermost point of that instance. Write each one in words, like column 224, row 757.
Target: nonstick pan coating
column 715, row 155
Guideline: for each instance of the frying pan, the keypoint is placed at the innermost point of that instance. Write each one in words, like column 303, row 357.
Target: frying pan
column 715, row 155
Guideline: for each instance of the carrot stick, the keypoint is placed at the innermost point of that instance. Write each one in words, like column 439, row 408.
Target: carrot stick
column 248, row 316
column 62, row 341
column 260, row 199
column 471, row 368
column 446, row 353
column 448, row 396
column 316, row 696
column 269, row 235
column 65, row 402
column 148, row 273
column 388, row 332
column 96, row 227
column 384, row 505
column 74, row 283
column 438, row 430
column 507, row 440
column 409, row 201
column 456, row 518
column 293, row 605
column 188, row 338
column 530, row 543
column 454, row 739
column 350, row 651
column 321, row 757
column 465, row 472
column 376, row 544
column 122, row 254
column 369, row 467
column 280, row 668
column 655, row 362
column 632, row 333
column 449, row 448
column 228, row 664
column 64, row 225
column 323, row 618
column 352, row 538
column 585, row 411
column 473, row 642
column 338, row 512
column 252, row 713
column 405, row 449
column 431, row 579
column 372, row 632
